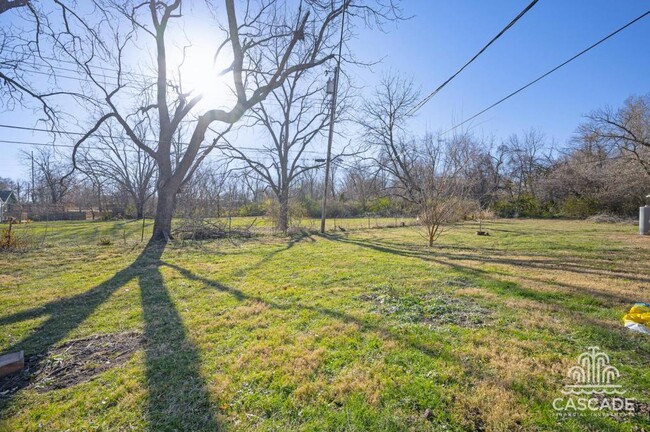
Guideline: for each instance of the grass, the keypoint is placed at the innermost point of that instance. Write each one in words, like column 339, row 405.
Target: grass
column 357, row 330
column 129, row 232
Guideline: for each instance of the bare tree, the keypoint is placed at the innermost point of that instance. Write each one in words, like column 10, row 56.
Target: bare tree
column 525, row 158
column 363, row 182
column 484, row 170
column 247, row 41
column 308, row 185
column 594, row 177
column 7, row 183
column 426, row 173
column 118, row 162
column 296, row 115
column 26, row 43
column 203, row 195
column 51, row 170
column 440, row 187
column 626, row 129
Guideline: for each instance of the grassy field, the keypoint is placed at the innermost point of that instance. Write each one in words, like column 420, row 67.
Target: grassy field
column 129, row 232
column 358, row 330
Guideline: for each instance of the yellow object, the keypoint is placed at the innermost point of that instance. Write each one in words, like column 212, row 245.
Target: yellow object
column 640, row 314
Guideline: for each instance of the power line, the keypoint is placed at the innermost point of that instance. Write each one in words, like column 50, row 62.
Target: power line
column 31, row 68
column 58, row 75
column 550, row 72
column 72, row 63
column 46, row 65
column 481, row 51
column 31, row 143
column 113, row 81
column 34, row 129
column 55, row 145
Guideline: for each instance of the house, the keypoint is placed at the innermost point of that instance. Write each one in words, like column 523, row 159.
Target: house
column 7, row 198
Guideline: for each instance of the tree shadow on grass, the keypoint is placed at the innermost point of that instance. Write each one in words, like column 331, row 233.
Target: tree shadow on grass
column 364, row 324
column 177, row 395
column 570, row 304
column 293, row 240
column 451, row 260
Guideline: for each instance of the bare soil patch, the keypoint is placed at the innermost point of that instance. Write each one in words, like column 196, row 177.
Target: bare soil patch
column 72, row 362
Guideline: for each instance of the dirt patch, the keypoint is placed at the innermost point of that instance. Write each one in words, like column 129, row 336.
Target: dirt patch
column 434, row 309
column 641, row 409
column 73, row 362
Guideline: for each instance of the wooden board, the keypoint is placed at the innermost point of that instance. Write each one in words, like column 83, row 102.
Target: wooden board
column 11, row 363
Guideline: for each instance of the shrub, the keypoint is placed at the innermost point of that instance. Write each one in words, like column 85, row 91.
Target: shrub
column 253, row 209
column 296, row 211
column 381, row 206
column 608, row 218
column 579, row 208
column 312, row 207
column 8, row 241
column 524, row 206
column 482, row 214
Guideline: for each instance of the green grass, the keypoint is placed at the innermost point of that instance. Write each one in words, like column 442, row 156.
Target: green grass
column 357, row 330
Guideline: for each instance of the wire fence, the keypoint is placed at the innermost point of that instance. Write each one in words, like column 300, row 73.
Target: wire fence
column 30, row 234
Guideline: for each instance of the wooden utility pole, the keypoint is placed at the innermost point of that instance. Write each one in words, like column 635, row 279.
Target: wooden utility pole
column 328, row 160
column 33, row 193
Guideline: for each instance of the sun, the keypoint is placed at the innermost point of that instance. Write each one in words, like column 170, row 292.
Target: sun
column 200, row 75
column 196, row 72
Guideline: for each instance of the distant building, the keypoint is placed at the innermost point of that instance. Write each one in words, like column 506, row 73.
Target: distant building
column 7, row 198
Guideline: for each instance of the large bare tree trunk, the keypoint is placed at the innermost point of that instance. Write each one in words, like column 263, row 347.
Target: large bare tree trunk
column 162, row 226
column 283, row 222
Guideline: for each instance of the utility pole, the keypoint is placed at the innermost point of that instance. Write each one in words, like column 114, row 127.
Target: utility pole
column 328, row 161
column 33, row 194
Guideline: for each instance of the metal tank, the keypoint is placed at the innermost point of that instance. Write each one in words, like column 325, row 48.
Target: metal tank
column 644, row 220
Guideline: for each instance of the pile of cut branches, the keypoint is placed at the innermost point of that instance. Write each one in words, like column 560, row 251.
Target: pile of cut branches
column 201, row 229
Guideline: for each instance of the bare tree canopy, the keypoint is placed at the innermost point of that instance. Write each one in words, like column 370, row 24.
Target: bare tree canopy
column 50, row 169
column 626, row 129
column 259, row 43
column 429, row 172
column 296, row 115
column 116, row 162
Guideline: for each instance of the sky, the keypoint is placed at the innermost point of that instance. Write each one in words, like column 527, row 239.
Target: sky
column 443, row 35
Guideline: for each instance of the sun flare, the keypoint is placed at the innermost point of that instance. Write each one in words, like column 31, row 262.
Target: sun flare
column 197, row 73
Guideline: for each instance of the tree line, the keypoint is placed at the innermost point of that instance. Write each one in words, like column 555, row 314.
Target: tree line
column 150, row 144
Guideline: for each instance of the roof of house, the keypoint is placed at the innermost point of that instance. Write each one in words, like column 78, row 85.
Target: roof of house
column 5, row 194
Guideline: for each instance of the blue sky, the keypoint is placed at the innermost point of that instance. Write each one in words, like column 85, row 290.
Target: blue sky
column 442, row 35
